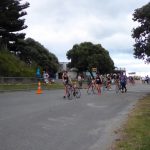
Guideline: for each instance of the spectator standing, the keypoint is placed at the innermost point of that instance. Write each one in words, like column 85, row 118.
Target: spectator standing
column 46, row 77
column 38, row 73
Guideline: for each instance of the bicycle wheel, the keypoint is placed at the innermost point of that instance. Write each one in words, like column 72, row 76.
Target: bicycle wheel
column 77, row 93
column 117, row 89
column 69, row 93
column 91, row 90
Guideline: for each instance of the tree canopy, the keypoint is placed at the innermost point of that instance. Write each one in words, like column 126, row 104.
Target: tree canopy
column 11, row 22
column 12, row 39
column 141, row 34
column 32, row 52
column 30, row 55
column 85, row 56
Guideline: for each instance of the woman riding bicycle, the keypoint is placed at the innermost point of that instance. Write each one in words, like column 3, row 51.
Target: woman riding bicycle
column 98, row 82
column 66, row 81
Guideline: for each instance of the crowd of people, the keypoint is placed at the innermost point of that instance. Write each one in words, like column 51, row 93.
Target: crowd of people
column 104, row 82
column 99, row 82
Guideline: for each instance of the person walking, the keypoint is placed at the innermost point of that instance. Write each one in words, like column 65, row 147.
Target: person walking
column 123, row 82
column 98, row 82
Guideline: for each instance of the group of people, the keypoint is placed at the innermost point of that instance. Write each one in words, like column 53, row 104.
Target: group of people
column 99, row 81
column 105, row 82
column 95, row 82
column 45, row 76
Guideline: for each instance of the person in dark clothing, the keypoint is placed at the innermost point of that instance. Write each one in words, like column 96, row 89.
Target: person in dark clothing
column 65, row 79
column 123, row 82
column 98, row 82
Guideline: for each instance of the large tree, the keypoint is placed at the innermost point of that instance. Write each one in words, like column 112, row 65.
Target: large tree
column 32, row 52
column 141, row 34
column 87, row 55
column 11, row 22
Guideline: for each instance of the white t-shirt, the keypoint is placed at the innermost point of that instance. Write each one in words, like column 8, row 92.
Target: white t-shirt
column 79, row 78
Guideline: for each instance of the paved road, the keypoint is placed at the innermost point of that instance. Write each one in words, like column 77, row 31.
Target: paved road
column 49, row 122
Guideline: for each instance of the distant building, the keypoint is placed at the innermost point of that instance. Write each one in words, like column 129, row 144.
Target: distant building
column 120, row 70
column 132, row 73
column 63, row 66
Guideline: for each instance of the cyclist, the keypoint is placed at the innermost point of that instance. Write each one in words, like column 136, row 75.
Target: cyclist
column 89, row 79
column 91, row 84
column 108, row 82
column 131, row 80
column 80, row 80
column 66, row 82
column 98, row 82
column 104, row 82
column 117, row 83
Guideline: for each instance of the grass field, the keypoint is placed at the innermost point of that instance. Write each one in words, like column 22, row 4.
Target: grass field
column 14, row 87
column 135, row 134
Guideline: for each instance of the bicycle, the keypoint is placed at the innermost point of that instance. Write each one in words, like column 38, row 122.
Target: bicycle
column 91, row 88
column 69, row 93
column 76, row 90
column 73, row 91
column 118, row 87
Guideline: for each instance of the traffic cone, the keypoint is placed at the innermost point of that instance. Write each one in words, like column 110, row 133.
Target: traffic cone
column 39, row 90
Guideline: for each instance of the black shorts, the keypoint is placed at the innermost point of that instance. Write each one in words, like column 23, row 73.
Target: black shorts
column 66, row 83
column 98, row 82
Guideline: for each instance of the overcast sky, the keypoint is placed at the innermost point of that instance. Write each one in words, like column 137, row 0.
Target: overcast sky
column 59, row 24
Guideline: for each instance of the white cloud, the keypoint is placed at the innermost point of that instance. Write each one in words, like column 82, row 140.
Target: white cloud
column 58, row 25
column 131, row 64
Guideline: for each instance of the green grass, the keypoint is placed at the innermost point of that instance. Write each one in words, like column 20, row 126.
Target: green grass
column 135, row 134
column 10, row 65
column 17, row 87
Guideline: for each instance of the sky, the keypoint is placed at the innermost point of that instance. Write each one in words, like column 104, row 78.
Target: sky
column 59, row 24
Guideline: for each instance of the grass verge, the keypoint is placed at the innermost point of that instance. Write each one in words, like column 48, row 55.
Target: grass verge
column 34, row 86
column 135, row 134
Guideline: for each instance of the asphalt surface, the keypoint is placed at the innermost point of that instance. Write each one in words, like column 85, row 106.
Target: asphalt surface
column 48, row 122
